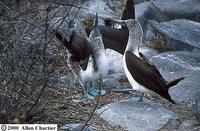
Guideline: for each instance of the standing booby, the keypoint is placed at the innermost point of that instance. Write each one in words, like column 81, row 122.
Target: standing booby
column 98, row 64
column 141, row 73
column 80, row 49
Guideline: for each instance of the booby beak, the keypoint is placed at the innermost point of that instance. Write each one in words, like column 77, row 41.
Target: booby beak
column 96, row 27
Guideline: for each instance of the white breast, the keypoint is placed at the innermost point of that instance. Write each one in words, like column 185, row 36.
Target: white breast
column 90, row 74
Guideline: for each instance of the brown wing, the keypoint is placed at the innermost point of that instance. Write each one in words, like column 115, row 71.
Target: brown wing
column 78, row 46
column 144, row 73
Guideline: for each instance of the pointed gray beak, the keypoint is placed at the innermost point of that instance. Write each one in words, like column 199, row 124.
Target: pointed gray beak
column 96, row 27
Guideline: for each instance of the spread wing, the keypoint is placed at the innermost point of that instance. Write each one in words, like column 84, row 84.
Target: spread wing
column 78, row 46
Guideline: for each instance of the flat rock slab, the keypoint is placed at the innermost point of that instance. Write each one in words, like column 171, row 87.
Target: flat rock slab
column 137, row 116
column 179, row 34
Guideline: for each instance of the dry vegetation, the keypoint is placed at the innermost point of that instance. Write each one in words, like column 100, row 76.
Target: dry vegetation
column 30, row 60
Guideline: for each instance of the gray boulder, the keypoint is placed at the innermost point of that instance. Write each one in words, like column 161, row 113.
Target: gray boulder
column 64, row 81
column 137, row 116
column 178, row 34
column 118, row 76
column 146, row 11
column 148, row 52
column 177, row 61
column 184, row 92
column 110, row 83
column 196, row 106
column 179, row 9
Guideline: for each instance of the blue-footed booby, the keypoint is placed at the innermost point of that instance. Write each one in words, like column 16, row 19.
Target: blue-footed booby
column 98, row 64
column 141, row 73
column 80, row 49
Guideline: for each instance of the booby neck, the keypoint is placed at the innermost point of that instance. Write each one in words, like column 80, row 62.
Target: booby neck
column 95, row 38
column 98, row 63
column 135, row 36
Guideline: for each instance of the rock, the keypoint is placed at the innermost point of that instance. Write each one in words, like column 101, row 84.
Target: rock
column 64, row 25
column 110, row 83
column 91, row 7
column 146, row 11
column 177, row 61
column 107, row 84
column 118, row 76
column 76, row 127
column 115, row 61
column 137, row 116
column 178, row 34
column 64, row 81
column 179, row 9
column 148, row 52
column 196, row 107
column 186, row 90
column 186, row 125
column 139, row 1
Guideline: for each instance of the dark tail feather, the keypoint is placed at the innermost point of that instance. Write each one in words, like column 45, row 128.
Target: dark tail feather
column 173, row 82
column 129, row 11
column 64, row 41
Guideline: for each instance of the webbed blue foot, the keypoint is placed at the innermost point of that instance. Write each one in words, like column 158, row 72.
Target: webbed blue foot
column 95, row 92
column 125, row 91
column 88, row 96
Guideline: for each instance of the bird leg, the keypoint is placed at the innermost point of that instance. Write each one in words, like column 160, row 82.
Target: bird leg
column 94, row 91
column 137, row 99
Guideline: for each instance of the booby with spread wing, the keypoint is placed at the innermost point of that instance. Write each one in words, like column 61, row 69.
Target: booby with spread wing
column 90, row 53
column 98, row 63
column 141, row 73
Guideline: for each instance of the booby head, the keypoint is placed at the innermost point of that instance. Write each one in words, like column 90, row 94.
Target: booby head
column 95, row 37
column 96, row 28
column 135, row 34
column 133, row 25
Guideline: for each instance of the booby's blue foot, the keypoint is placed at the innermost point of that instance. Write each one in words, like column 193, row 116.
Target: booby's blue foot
column 88, row 96
column 137, row 99
column 95, row 92
column 125, row 91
